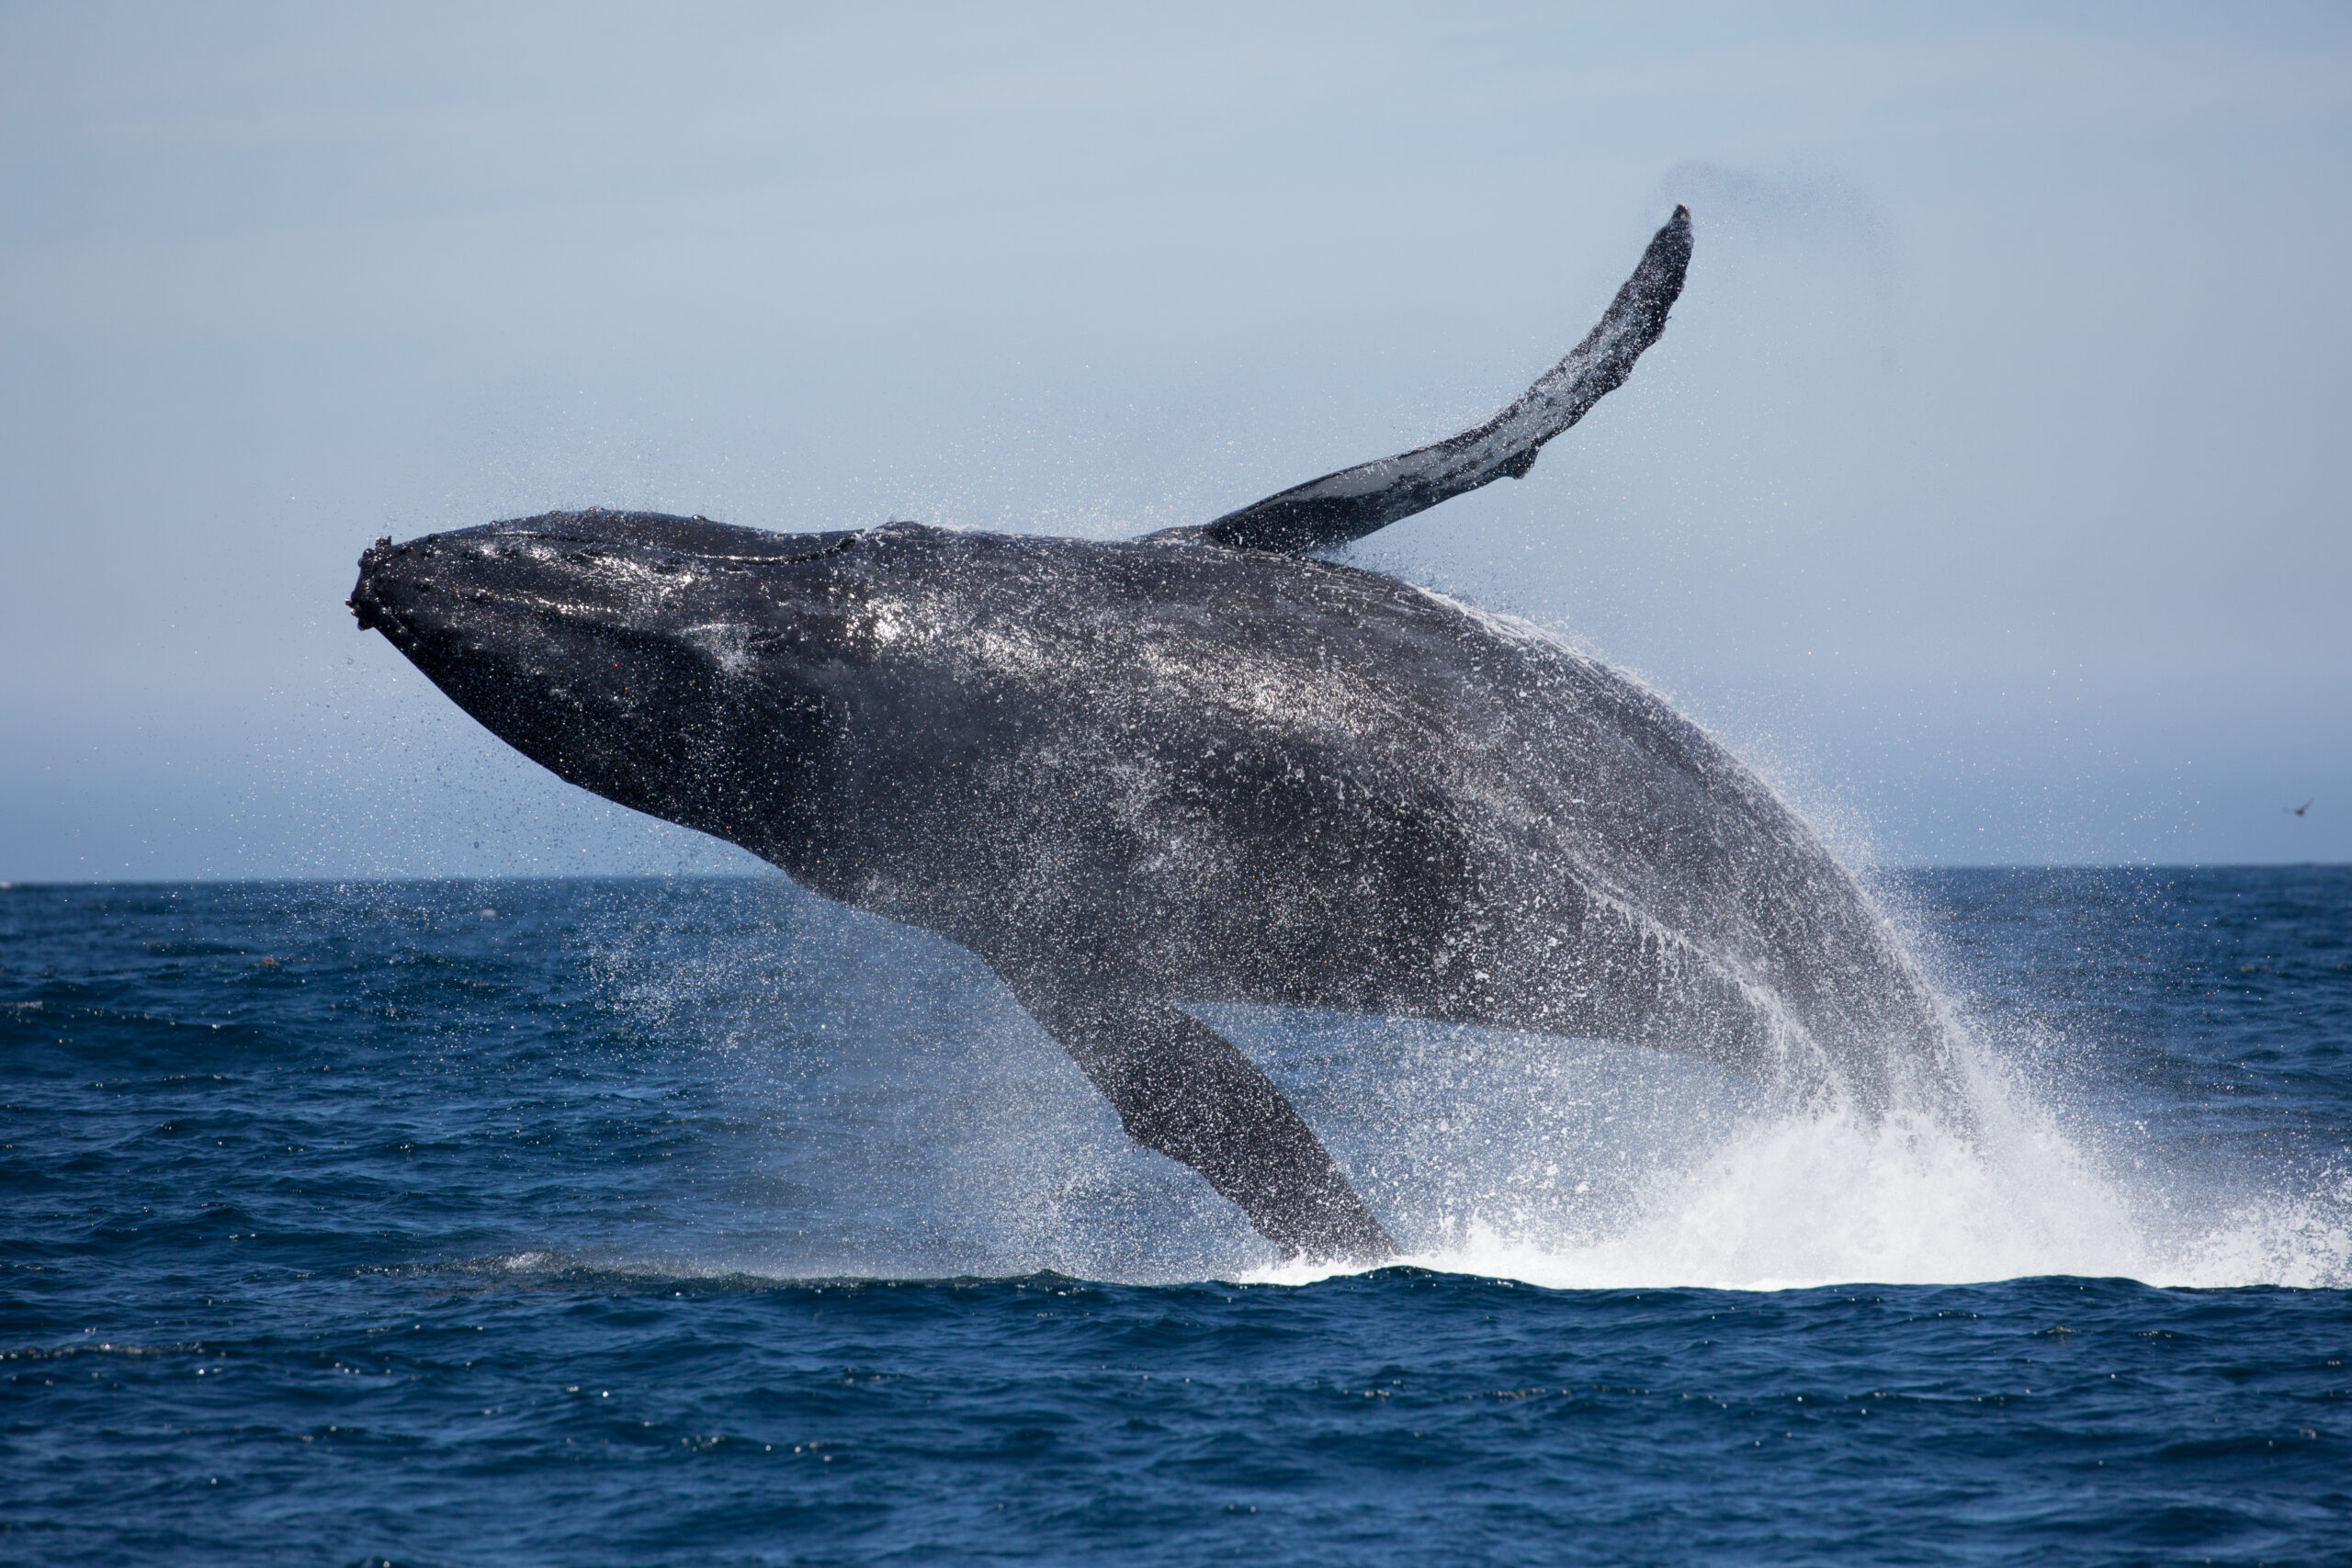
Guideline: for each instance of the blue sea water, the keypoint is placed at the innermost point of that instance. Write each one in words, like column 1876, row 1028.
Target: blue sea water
column 705, row 1222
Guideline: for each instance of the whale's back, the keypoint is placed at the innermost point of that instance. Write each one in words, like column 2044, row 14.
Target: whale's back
column 1242, row 776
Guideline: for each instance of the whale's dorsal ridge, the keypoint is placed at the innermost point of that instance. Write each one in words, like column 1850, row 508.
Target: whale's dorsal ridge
column 1355, row 501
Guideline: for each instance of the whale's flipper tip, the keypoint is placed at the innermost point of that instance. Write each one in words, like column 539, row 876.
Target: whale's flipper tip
column 1355, row 501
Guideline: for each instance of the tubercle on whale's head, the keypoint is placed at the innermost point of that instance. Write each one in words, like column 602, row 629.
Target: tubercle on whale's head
column 675, row 664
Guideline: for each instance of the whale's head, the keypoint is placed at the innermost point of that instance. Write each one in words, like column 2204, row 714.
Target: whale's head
column 676, row 665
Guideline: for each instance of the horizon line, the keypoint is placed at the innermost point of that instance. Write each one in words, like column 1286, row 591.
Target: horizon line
column 30, row 884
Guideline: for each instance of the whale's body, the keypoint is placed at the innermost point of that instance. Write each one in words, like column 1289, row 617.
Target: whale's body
column 1193, row 768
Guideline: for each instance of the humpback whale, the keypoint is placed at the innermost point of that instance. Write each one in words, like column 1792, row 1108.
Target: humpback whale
column 1204, row 765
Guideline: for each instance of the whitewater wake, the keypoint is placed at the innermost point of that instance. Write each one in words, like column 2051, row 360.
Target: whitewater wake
column 1805, row 1201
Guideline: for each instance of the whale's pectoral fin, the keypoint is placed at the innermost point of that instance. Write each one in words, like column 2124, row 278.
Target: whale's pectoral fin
column 1183, row 1090
column 1354, row 501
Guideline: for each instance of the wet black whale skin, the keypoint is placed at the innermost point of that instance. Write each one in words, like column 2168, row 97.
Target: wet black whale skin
column 1188, row 769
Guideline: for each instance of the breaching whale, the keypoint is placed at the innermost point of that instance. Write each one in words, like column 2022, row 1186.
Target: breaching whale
column 1196, row 767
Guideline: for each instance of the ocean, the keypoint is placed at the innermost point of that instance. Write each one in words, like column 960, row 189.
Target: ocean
column 677, row 1222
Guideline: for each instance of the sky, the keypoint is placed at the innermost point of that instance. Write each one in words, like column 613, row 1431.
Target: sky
column 1987, row 493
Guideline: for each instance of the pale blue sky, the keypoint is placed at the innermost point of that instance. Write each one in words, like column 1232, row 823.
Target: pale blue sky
column 1988, row 490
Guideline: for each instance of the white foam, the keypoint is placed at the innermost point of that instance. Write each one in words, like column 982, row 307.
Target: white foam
column 1793, row 1201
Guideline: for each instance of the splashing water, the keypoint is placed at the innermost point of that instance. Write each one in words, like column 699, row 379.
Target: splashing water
column 1801, row 1203
column 2119, row 1141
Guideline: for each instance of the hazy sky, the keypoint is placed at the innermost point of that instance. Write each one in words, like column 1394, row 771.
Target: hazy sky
column 1987, row 490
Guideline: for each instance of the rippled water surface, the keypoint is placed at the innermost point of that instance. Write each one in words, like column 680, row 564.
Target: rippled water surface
column 587, row 1223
